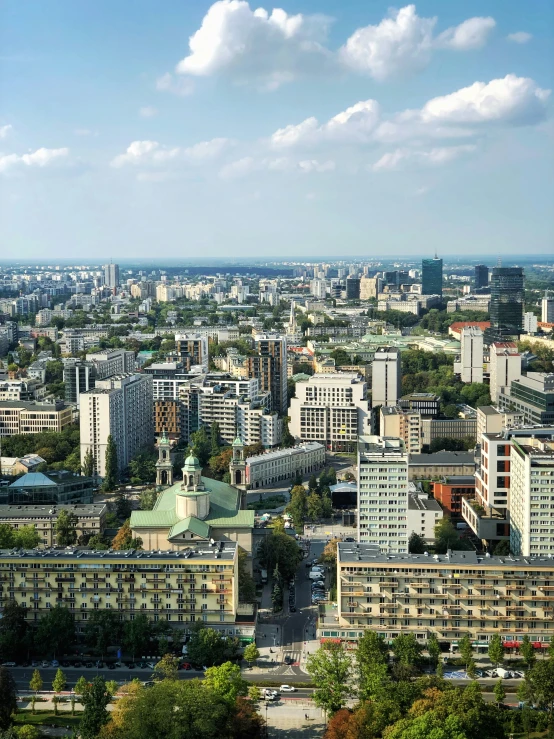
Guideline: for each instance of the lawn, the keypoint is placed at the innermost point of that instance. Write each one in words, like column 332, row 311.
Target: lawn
column 46, row 717
column 274, row 501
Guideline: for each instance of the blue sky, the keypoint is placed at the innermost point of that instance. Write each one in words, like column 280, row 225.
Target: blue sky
column 319, row 129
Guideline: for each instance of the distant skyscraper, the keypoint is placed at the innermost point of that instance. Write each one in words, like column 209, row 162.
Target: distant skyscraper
column 481, row 276
column 111, row 275
column 547, row 305
column 431, row 276
column 506, row 306
column 386, row 377
column 352, row 288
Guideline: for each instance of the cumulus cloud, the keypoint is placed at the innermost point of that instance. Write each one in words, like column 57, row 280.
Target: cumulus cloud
column 431, row 157
column 471, row 34
column 519, row 37
column 248, row 165
column 271, row 48
column 175, row 85
column 152, row 153
column 5, row 130
column 148, row 112
column 356, row 123
column 40, row 158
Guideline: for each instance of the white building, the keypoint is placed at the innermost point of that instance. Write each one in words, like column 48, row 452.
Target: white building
column 471, row 357
column 532, row 483
column 385, row 377
column 530, row 323
column 547, row 308
column 112, row 362
column 331, row 409
column 282, row 465
column 505, row 367
column 111, row 275
column 120, row 406
column 318, row 289
column 424, row 513
column 383, row 493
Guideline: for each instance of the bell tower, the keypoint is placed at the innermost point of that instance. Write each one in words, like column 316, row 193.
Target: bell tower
column 164, row 466
column 237, row 467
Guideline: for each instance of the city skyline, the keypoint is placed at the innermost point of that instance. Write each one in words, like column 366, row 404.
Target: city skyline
column 307, row 130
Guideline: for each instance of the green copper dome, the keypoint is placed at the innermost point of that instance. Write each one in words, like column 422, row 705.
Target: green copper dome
column 191, row 463
column 238, row 442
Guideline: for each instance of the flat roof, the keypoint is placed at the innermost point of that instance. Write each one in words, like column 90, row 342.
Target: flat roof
column 37, row 511
column 309, row 446
column 220, row 550
column 419, row 503
column 442, row 458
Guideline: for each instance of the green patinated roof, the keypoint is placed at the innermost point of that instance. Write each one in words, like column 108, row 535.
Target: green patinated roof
column 238, row 442
column 224, row 508
column 192, row 524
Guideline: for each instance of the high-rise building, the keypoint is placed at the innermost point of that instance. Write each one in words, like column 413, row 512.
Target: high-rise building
column 471, row 357
column 352, row 288
column 506, row 306
column 385, row 377
column 431, row 276
column 192, row 350
column 269, row 365
column 505, row 366
column 370, row 287
column 111, row 275
column 331, row 409
column 112, row 362
column 481, row 276
column 547, row 308
column 530, row 323
column 78, row 377
column 120, row 407
column 383, row 493
column 404, row 424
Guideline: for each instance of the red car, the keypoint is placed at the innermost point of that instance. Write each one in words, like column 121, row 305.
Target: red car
column 186, row 666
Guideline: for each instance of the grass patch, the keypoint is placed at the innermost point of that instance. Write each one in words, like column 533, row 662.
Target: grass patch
column 47, row 717
column 274, row 501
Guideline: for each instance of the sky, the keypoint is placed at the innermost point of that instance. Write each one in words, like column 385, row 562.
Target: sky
column 313, row 128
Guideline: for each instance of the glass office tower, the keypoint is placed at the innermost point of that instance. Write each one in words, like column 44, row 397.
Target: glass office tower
column 506, row 308
column 481, row 276
column 431, row 276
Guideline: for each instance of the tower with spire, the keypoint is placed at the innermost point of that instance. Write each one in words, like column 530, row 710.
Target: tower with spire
column 164, row 466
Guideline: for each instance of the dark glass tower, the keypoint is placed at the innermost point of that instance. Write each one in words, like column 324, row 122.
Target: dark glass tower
column 431, row 276
column 352, row 288
column 481, row 276
column 506, row 309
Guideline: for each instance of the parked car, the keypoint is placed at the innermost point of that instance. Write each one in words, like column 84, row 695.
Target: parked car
column 186, row 666
column 89, row 664
column 100, row 664
column 45, row 663
column 65, row 663
column 289, row 660
column 318, row 584
column 287, row 689
column 9, row 664
column 350, row 538
column 35, row 663
column 76, row 663
column 270, row 692
column 55, row 663
column 148, row 684
column 110, row 666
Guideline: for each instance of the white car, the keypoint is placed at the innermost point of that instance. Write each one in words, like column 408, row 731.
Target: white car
column 270, row 693
column 8, row 664
column 287, row 689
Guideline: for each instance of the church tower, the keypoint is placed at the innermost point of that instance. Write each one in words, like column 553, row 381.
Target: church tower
column 164, row 466
column 237, row 467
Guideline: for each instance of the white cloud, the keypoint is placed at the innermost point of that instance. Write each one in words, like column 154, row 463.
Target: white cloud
column 238, row 168
column 5, row 130
column 155, row 176
column 519, row 37
column 174, row 85
column 356, row 123
column 247, row 165
column 272, row 48
column 471, row 34
column 152, row 153
column 148, row 112
column 40, row 158
column 85, row 132
column 431, row 157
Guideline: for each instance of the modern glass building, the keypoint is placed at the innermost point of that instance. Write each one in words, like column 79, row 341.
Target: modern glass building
column 481, row 276
column 56, row 488
column 431, row 276
column 352, row 288
column 506, row 306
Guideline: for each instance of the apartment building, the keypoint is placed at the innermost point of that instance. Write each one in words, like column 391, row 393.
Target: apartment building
column 504, row 367
column 451, row 491
column 491, row 421
column 370, row 287
column 78, row 376
column 428, row 404
column 405, row 424
column 269, row 366
column 331, row 409
column 533, row 396
column 24, row 417
column 385, row 377
column 111, row 362
column 120, row 406
column 424, row 513
column 168, row 417
column 449, row 595
column 470, row 365
column 283, row 465
column 91, row 518
column 195, row 584
column 191, row 349
column 383, row 493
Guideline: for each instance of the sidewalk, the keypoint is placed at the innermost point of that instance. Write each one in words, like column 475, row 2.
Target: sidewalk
column 290, row 720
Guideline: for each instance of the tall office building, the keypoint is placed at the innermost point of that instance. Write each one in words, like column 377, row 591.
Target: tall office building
column 385, row 377
column 111, row 275
column 383, row 493
column 547, row 308
column 506, row 306
column 505, row 366
column 269, row 365
column 78, row 377
column 431, row 276
column 370, row 287
column 121, row 407
column 481, row 276
column 471, row 356
column 352, row 288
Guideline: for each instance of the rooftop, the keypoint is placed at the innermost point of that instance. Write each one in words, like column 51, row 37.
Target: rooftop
column 37, row 511
column 421, row 503
column 220, row 550
column 442, row 458
column 309, row 446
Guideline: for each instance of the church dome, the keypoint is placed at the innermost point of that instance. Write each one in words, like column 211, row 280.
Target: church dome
column 191, row 463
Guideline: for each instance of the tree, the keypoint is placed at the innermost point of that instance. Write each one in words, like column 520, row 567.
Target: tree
column 255, row 694
column 471, row 669
column 314, row 506
column 214, row 439
column 433, row 649
column 407, row 650
column 97, row 542
column 247, row 586
column 466, row 649
column 281, row 550
column 313, row 483
column 371, row 662
column 226, row 681
column 446, row 537
column 502, row 548
column 28, row 731
column 208, row 647
column 112, row 686
column 201, row 445
column 88, row 464
column 147, row 499
column 95, row 699
column 124, row 539
column 499, row 692
column 540, row 681
column 496, row 650
column 27, row 537
column 56, row 631
column 112, row 466
column 137, row 634
column 15, row 636
column 103, row 629
column 35, row 683
column 66, row 528
column 251, row 653
column 287, row 439
column 416, row 544
column 527, row 651
column 59, row 682
column 81, row 685
column 167, row 668
column 122, row 507
column 326, row 506
column 297, row 507
column 330, row 669
column 8, row 698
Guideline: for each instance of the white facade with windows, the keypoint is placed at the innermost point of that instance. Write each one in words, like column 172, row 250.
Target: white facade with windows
column 283, row 464
column 385, row 377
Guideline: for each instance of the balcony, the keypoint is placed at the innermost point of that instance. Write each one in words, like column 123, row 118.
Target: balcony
column 486, row 523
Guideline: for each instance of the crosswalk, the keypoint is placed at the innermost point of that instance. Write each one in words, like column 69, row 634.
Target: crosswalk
column 294, row 656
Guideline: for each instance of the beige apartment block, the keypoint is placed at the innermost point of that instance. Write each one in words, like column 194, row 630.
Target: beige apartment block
column 91, row 518
column 23, row 417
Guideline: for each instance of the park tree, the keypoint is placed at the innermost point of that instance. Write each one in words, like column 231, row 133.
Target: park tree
column 59, row 683
column 88, row 463
column 35, row 683
column 527, row 651
column 330, row 669
column 8, row 698
column 540, row 681
column 102, row 630
column 251, row 653
column 326, row 506
column 465, row 648
column 111, row 477
column 208, row 647
column 281, row 550
column 56, row 631
column 167, row 668
column 314, row 506
column 80, row 685
column 407, row 650
column 123, row 507
column 499, row 692
column 66, row 528
column 95, row 699
column 226, row 681
column 297, row 507
column 433, row 649
column 371, row 664
column 496, row 650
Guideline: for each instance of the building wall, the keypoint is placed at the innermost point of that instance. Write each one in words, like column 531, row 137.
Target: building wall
column 450, row 495
column 32, row 419
column 279, row 466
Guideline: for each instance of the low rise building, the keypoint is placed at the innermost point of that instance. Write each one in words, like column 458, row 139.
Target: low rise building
column 424, row 513
column 450, row 492
column 282, row 465
column 91, row 518
column 13, row 466
column 448, row 428
column 533, row 396
column 24, row 417
column 441, row 464
column 58, row 488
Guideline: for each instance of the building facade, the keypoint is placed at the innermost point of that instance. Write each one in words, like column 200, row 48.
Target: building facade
column 405, row 424
column 22, row 417
column 91, row 518
column 504, row 366
column 56, row 488
column 269, row 366
column 471, row 357
column 532, row 395
column 191, row 350
column 386, row 377
column 282, row 465
column 481, row 276
column 431, row 276
column 507, row 299
column 450, row 492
